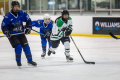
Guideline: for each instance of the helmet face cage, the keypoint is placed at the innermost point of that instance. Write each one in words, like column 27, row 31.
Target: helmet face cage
column 15, row 3
column 64, row 12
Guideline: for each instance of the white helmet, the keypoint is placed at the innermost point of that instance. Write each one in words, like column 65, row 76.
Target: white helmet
column 46, row 16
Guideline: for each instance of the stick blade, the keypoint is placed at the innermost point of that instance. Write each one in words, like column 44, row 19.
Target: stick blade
column 112, row 35
column 90, row 62
column 2, row 36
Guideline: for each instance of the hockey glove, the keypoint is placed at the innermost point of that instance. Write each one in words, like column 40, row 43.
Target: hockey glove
column 48, row 33
column 63, row 29
column 7, row 34
column 68, row 32
column 28, row 30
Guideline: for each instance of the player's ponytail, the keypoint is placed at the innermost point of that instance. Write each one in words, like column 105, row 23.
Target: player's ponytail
column 57, row 19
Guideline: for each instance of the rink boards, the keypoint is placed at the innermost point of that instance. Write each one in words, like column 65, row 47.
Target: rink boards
column 82, row 25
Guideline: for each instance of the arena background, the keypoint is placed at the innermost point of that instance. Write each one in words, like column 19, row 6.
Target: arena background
column 81, row 11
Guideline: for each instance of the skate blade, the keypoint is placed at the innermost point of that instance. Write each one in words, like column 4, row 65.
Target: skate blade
column 53, row 53
column 43, row 57
column 19, row 67
column 69, row 60
column 32, row 65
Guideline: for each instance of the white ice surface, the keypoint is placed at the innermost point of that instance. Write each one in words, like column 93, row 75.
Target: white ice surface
column 104, row 51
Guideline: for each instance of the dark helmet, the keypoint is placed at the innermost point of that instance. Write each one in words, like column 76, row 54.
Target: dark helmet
column 65, row 12
column 15, row 3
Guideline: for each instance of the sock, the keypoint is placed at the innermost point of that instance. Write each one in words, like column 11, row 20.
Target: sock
column 18, row 51
column 28, row 54
column 44, row 42
column 67, row 48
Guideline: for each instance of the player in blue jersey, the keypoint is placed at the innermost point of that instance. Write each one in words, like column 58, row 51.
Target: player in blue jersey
column 45, row 26
column 12, row 27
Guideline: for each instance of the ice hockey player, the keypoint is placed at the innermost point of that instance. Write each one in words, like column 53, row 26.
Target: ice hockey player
column 60, row 32
column 45, row 26
column 12, row 27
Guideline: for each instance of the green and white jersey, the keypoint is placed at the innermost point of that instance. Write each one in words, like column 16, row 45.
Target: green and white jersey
column 56, row 30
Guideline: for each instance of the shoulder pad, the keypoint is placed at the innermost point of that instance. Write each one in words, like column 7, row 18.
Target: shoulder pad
column 39, row 21
column 6, row 16
column 59, row 22
column 52, row 22
column 21, row 11
column 69, row 18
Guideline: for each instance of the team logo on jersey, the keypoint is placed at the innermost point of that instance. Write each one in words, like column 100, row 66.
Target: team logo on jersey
column 25, row 43
column 97, row 25
column 39, row 22
column 28, row 17
column 6, row 16
column 18, row 27
column 3, row 24
column 11, row 19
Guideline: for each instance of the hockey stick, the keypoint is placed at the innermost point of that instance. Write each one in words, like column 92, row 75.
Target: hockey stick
column 2, row 36
column 20, row 33
column 112, row 35
column 80, row 53
column 23, row 32
column 2, row 12
column 38, row 32
column 13, row 34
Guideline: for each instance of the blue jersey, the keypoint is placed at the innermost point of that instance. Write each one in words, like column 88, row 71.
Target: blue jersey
column 14, row 24
column 40, row 24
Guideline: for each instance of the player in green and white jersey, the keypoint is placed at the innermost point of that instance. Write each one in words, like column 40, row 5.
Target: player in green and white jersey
column 61, row 30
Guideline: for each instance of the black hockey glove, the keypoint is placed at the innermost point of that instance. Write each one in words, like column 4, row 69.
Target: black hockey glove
column 7, row 34
column 47, row 34
column 68, row 32
column 63, row 29
column 28, row 30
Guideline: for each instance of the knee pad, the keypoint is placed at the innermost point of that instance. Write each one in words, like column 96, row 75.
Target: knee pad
column 67, row 45
column 27, row 53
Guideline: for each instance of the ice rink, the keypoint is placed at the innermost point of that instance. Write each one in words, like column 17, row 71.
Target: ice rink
column 104, row 51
